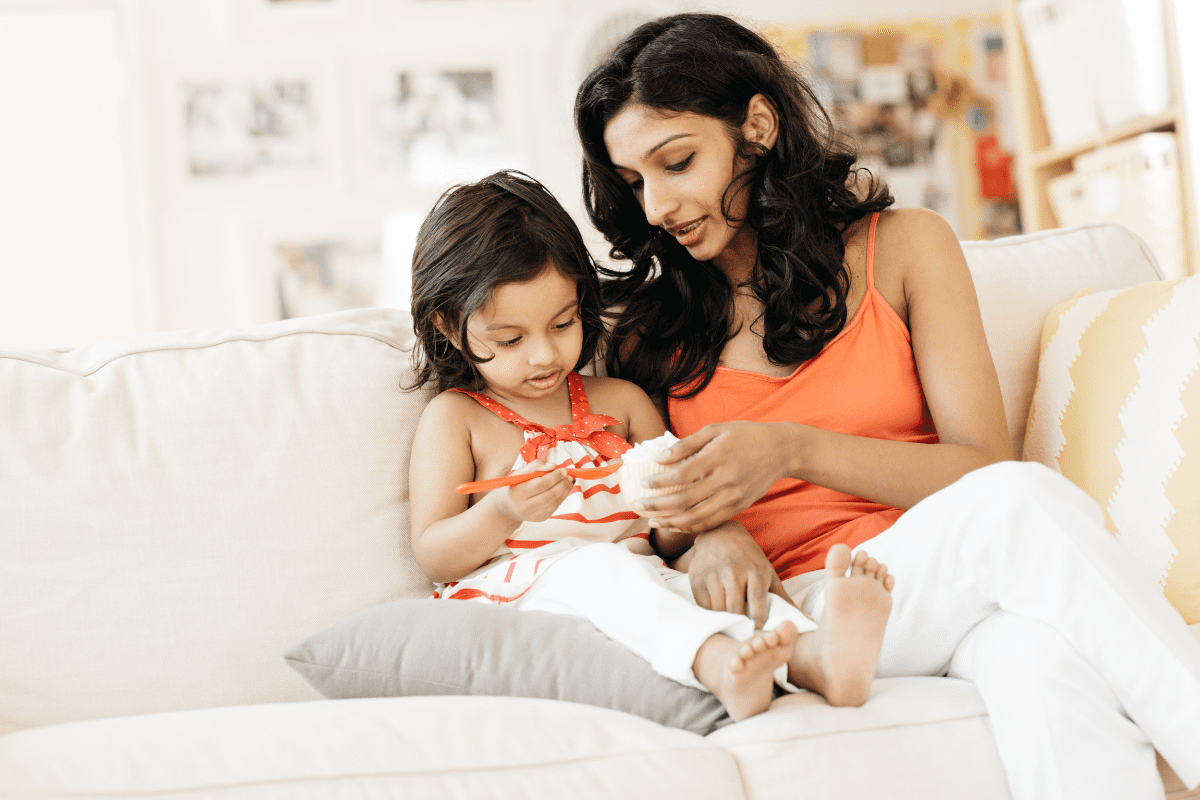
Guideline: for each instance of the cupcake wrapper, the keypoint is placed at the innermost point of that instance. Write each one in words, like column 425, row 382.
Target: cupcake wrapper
column 630, row 477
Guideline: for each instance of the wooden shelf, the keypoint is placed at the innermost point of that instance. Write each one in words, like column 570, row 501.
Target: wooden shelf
column 1037, row 161
column 1051, row 155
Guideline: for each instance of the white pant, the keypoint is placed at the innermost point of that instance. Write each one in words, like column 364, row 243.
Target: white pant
column 1009, row 578
column 625, row 597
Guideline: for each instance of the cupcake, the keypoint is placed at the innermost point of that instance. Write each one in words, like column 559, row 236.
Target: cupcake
column 639, row 462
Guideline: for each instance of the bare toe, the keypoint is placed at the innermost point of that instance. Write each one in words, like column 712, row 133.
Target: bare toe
column 837, row 560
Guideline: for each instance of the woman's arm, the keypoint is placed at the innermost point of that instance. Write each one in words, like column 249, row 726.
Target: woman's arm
column 451, row 538
column 925, row 277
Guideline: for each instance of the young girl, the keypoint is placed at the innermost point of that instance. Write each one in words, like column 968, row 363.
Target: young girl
column 506, row 309
column 823, row 357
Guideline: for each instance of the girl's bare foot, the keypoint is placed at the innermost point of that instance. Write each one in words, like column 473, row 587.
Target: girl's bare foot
column 838, row 659
column 741, row 674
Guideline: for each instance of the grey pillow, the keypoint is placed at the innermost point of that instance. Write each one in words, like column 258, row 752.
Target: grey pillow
column 459, row 647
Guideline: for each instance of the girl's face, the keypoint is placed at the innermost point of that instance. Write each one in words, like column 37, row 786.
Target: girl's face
column 679, row 165
column 533, row 331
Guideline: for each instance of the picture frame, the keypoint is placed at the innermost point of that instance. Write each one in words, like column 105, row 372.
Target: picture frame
column 422, row 124
column 248, row 130
column 309, row 265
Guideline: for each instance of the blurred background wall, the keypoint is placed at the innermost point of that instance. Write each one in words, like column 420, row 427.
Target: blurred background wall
column 183, row 163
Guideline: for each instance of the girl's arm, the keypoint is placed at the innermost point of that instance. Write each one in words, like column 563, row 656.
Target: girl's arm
column 733, row 464
column 451, row 538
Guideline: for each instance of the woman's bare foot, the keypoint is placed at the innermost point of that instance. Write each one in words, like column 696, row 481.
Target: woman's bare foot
column 741, row 674
column 838, row 659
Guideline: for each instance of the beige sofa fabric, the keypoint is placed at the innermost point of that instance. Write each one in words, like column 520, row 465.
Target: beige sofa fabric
column 178, row 508
column 413, row 747
column 1019, row 279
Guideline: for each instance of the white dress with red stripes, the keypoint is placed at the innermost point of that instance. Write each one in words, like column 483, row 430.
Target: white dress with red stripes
column 570, row 564
column 593, row 512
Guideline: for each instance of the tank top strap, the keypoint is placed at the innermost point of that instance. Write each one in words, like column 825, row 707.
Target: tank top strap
column 871, row 252
column 585, row 426
column 503, row 412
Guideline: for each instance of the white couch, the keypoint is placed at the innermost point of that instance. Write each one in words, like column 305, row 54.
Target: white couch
column 178, row 509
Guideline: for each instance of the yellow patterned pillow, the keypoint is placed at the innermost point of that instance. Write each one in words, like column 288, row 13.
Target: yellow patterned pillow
column 1117, row 410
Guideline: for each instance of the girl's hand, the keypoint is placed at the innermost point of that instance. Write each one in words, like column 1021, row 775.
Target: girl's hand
column 723, row 469
column 729, row 572
column 537, row 499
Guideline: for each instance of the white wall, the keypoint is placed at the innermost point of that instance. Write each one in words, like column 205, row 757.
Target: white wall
column 105, row 234
column 72, row 163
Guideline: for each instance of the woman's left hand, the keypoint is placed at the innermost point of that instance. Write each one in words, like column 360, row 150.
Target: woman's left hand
column 722, row 470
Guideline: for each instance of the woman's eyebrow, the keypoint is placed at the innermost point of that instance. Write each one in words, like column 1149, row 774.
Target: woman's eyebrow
column 657, row 147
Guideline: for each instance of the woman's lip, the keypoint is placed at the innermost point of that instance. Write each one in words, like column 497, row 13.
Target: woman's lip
column 688, row 234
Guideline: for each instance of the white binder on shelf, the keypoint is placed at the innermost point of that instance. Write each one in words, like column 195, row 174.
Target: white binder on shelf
column 1135, row 183
column 1055, row 34
column 1128, row 58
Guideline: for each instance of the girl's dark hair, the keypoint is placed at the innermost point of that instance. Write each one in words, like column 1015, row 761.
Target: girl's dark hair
column 506, row 228
column 802, row 194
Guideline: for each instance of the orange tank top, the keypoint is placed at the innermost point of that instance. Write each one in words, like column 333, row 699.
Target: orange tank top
column 864, row 383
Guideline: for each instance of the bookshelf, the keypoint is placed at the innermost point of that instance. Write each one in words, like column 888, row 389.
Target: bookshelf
column 1037, row 161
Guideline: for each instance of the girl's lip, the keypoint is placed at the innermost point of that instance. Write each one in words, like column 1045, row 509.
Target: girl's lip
column 550, row 378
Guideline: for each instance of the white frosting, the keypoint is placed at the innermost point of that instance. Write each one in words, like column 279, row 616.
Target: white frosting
column 650, row 448
column 639, row 462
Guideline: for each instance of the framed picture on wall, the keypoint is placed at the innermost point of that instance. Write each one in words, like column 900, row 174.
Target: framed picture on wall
column 249, row 128
column 429, row 124
column 309, row 265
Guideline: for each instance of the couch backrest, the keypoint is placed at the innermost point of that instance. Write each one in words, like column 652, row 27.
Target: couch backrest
column 178, row 508
column 1020, row 278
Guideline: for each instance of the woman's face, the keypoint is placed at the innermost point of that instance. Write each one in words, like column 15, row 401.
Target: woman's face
column 679, row 165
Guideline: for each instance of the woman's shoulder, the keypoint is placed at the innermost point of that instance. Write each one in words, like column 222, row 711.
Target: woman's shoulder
column 912, row 246
column 911, row 242
column 912, row 230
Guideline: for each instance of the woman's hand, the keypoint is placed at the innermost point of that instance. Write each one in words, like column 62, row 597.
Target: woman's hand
column 722, row 470
column 729, row 572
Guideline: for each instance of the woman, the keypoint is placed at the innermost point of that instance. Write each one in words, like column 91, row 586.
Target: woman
column 824, row 358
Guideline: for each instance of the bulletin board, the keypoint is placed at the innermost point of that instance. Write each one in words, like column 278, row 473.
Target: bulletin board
column 927, row 105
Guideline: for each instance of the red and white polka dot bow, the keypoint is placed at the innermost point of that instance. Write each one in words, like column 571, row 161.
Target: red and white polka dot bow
column 588, row 429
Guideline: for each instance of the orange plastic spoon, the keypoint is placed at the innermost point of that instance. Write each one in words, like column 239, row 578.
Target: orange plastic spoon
column 587, row 473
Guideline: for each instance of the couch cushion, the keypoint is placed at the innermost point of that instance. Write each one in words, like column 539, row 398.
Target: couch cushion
column 391, row 747
column 448, row 647
column 1020, row 278
column 178, row 508
column 1117, row 410
column 915, row 738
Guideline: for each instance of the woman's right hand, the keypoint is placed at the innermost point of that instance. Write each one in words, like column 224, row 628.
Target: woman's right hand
column 718, row 472
column 729, row 572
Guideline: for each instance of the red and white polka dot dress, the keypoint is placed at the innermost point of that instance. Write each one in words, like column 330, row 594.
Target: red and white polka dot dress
column 593, row 512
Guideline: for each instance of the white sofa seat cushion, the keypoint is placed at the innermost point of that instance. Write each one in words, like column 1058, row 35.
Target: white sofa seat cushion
column 178, row 508
column 369, row 748
column 914, row 738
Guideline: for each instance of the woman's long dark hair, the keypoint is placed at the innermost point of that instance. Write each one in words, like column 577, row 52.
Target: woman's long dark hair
column 676, row 314
column 506, row 228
